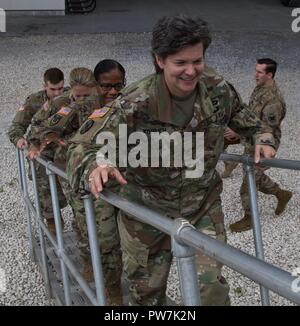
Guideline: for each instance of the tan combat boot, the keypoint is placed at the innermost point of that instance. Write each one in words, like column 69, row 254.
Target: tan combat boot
column 229, row 167
column 283, row 197
column 114, row 295
column 87, row 273
column 242, row 225
column 51, row 225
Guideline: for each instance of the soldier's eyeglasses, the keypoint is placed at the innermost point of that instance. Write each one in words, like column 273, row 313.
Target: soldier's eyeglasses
column 107, row 87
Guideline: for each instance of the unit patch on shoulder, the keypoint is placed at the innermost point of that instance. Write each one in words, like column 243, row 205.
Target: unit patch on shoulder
column 99, row 113
column 86, row 126
column 55, row 120
column 64, row 111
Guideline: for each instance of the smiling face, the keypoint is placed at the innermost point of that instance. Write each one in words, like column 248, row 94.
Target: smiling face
column 183, row 69
column 110, row 84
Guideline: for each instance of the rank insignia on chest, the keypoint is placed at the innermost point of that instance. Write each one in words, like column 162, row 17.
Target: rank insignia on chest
column 99, row 113
column 64, row 111
column 86, row 126
column 55, row 120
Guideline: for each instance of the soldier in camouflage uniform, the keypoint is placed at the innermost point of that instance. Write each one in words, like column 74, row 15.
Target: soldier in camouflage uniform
column 267, row 103
column 53, row 87
column 53, row 124
column 173, row 99
column 110, row 76
column 58, row 129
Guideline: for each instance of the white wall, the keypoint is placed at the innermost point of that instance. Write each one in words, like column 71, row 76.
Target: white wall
column 32, row 4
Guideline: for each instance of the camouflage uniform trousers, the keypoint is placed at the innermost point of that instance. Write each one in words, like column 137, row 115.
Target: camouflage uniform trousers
column 106, row 225
column 229, row 166
column 44, row 190
column 147, row 261
column 107, row 234
column 60, row 160
column 264, row 184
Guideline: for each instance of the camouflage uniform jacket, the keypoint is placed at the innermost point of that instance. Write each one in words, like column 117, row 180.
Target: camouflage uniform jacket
column 63, row 117
column 268, row 104
column 23, row 117
column 146, row 106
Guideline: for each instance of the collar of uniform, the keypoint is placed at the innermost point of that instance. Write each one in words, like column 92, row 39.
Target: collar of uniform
column 160, row 102
column 101, row 100
column 203, row 107
column 45, row 96
column 267, row 87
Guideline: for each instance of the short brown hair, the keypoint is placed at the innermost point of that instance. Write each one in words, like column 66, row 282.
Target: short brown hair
column 172, row 34
column 271, row 65
column 53, row 75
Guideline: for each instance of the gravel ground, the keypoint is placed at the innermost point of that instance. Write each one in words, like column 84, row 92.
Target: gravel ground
column 23, row 61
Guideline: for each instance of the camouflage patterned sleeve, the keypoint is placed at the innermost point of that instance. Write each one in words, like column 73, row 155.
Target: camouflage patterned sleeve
column 40, row 119
column 62, row 123
column 68, row 118
column 23, row 117
column 81, row 159
column 247, row 124
column 272, row 114
column 82, row 154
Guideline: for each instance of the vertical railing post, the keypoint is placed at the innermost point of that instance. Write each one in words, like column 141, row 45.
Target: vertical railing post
column 26, row 196
column 249, row 170
column 95, row 249
column 41, row 235
column 19, row 169
column 58, row 228
column 186, row 265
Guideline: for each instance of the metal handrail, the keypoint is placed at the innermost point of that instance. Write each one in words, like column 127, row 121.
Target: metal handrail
column 185, row 238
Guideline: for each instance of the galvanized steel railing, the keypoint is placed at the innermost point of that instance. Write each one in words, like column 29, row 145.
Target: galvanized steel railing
column 185, row 239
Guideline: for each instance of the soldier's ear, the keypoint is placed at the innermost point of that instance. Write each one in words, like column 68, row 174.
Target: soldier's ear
column 159, row 61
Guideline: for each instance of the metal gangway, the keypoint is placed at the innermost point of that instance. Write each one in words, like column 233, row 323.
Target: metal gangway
column 61, row 269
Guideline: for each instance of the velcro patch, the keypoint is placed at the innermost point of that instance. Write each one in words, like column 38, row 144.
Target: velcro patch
column 86, row 126
column 64, row 111
column 99, row 113
column 55, row 119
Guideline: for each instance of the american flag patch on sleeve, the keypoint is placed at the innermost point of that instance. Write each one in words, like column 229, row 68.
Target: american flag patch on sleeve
column 64, row 111
column 99, row 113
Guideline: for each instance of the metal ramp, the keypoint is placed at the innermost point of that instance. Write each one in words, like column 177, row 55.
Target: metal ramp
column 55, row 276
